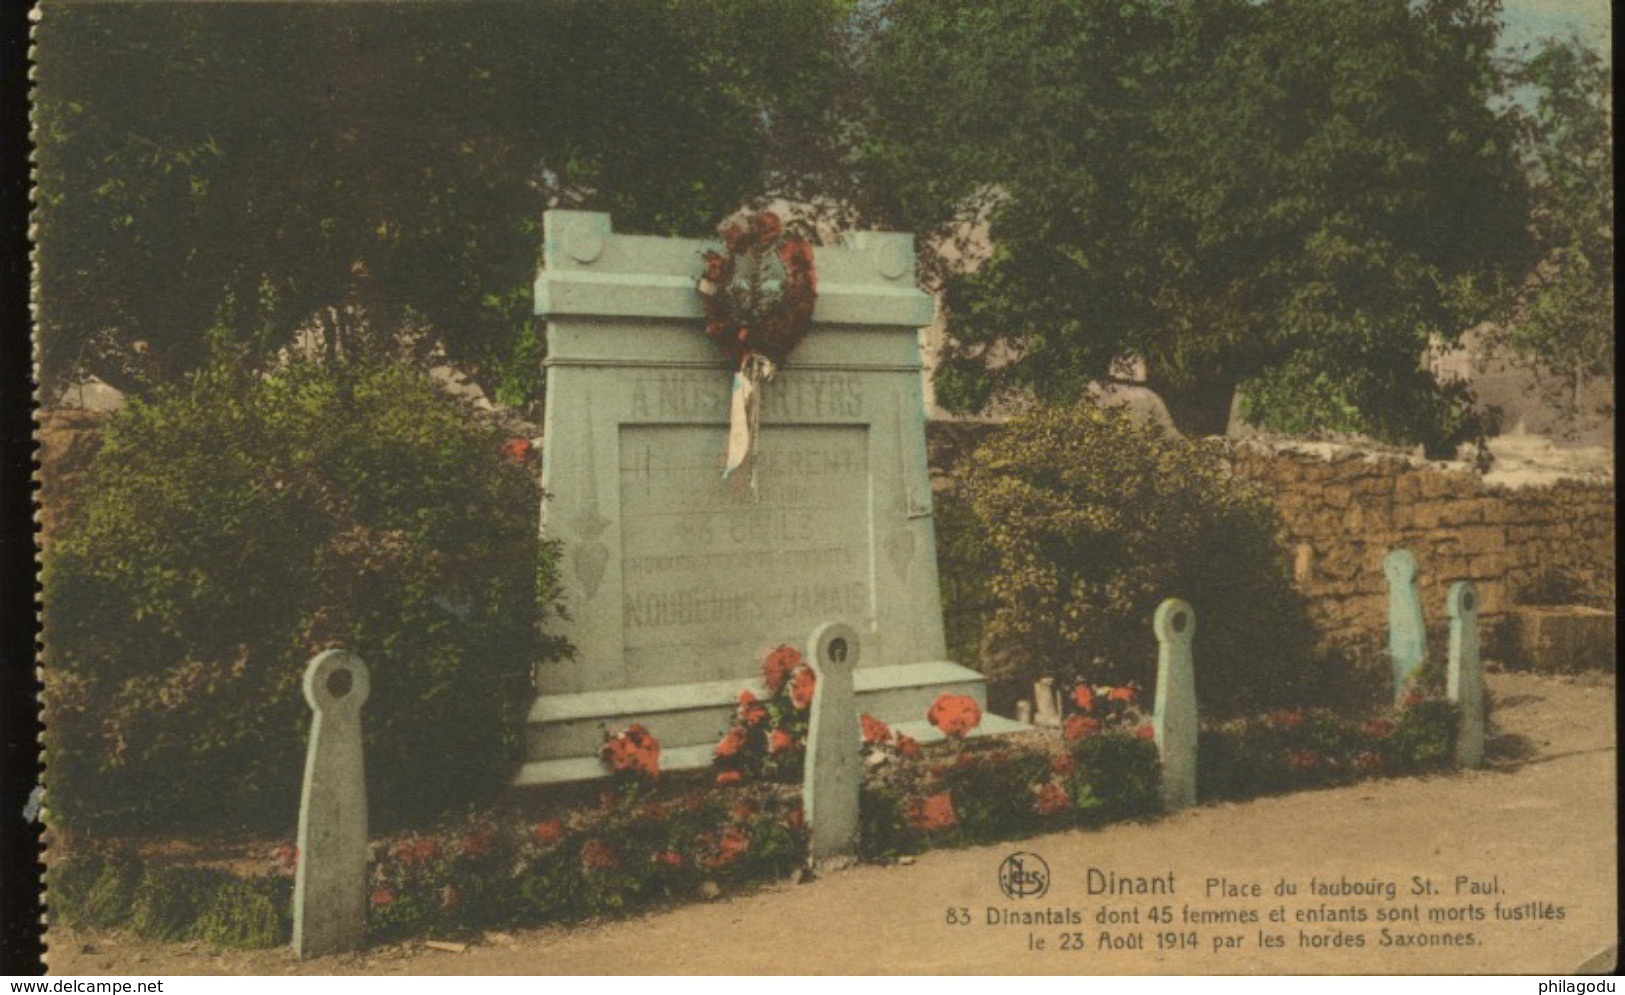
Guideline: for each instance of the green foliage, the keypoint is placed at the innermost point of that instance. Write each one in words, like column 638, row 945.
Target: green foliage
column 1096, row 517
column 381, row 170
column 169, row 900
column 233, row 526
column 964, row 564
column 109, row 895
column 254, row 913
column 1285, row 197
column 1425, row 738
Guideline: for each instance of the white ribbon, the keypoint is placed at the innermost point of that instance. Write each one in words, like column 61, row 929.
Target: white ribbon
column 745, row 414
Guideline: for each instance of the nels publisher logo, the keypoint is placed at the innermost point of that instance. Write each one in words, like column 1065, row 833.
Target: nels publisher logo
column 1024, row 875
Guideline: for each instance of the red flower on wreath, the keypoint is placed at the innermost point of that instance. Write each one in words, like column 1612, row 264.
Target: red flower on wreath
column 780, row 741
column 1052, row 799
column 954, row 715
column 759, row 293
column 719, row 269
column 728, row 778
column 1124, row 694
column 738, row 238
column 1084, row 696
column 634, row 751
column 766, row 226
column 1063, row 764
column 669, row 858
column 1078, row 727
column 875, row 731
column 548, row 831
column 382, row 896
column 797, row 256
column 907, row 746
column 751, row 711
column 802, row 684
column 1145, row 732
column 933, row 813
column 778, row 666
column 1378, row 728
column 596, row 855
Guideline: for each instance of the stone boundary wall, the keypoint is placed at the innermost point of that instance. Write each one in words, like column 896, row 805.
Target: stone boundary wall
column 1343, row 508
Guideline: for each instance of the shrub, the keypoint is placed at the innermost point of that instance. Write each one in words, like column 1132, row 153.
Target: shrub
column 233, row 526
column 1095, row 516
column 254, row 913
column 1291, row 749
column 169, row 900
column 1117, row 777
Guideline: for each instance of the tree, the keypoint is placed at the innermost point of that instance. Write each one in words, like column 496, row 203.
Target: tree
column 380, row 171
column 1564, row 319
column 1286, row 198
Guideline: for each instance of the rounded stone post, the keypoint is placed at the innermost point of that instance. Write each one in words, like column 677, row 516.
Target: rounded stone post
column 330, row 885
column 1466, row 672
column 1174, row 717
column 834, row 769
column 1407, row 633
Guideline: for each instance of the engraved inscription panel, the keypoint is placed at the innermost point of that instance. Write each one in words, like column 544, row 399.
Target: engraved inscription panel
column 710, row 575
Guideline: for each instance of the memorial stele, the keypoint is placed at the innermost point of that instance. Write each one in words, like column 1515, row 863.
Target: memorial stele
column 676, row 581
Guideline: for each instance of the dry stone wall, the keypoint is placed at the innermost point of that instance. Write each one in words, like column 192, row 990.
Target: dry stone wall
column 1343, row 509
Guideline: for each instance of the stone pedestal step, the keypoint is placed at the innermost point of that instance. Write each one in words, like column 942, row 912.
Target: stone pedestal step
column 566, row 726
column 568, row 770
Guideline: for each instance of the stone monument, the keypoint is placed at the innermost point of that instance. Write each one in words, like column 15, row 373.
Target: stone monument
column 677, row 581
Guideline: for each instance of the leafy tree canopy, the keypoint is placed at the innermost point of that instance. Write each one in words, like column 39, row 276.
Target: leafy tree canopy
column 1285, row 197
column 382, row 169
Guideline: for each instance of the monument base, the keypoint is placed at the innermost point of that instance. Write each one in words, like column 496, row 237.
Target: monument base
column 564, row 732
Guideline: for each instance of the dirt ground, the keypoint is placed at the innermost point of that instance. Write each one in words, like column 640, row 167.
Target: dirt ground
column 1514, row 866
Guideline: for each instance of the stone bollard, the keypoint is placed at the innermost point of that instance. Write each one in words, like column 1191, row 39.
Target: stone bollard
column 834, row 770
column 1466, row 677
column 1174, row 717
column 330, row 885
column 1407, row 633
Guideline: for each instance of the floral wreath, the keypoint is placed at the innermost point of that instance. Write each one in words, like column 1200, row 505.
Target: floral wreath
column 758, row 294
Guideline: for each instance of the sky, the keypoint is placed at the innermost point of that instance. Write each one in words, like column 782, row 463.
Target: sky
column 1529, row 20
